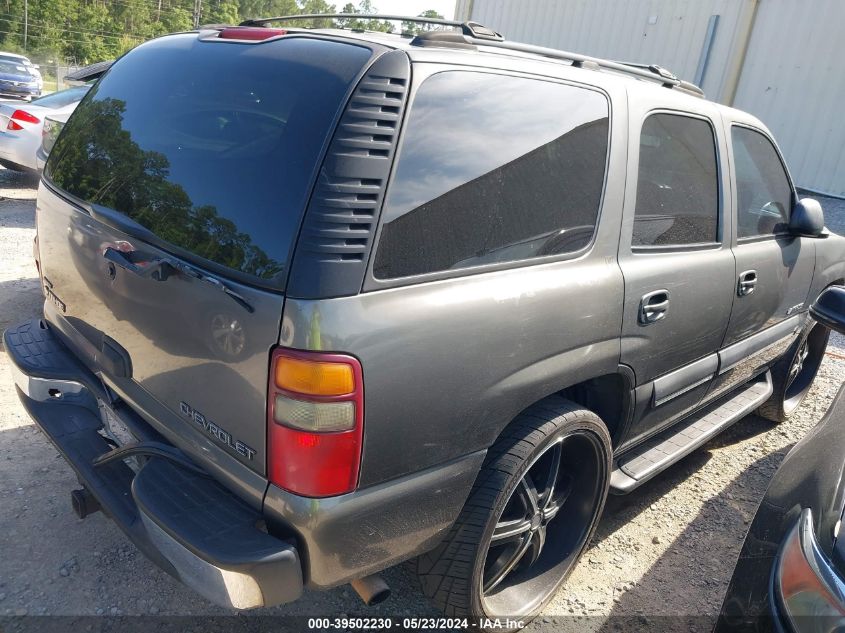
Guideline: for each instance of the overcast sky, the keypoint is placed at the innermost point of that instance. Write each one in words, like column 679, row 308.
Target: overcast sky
column 446, row 8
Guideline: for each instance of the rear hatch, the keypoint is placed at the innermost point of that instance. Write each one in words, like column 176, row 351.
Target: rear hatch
column 170, row 205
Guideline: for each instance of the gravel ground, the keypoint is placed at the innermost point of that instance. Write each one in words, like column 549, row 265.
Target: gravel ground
column 667, row 549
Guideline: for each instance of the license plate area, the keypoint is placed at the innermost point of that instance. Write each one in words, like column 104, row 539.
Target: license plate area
column 116, row 430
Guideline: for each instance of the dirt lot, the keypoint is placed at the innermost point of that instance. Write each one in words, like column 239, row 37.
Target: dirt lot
column 667, row 549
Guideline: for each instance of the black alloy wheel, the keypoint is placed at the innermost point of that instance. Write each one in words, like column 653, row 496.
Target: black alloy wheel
column 529, row 517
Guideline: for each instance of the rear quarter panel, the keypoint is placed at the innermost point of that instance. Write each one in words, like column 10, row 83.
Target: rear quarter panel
column 449, row 363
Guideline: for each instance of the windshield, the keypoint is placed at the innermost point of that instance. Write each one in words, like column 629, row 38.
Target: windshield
column 62, row 98
column 216, row 157
column 11, row 68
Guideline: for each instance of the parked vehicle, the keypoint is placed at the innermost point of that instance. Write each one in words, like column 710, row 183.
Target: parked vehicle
column 19, row 80
column 470, row 286
column 791, row 571
column 21, row 125
column 33, row 69
column 53, row 125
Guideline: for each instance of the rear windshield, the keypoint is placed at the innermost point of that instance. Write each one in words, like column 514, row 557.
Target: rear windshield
column 62, row 98
column 210, row 145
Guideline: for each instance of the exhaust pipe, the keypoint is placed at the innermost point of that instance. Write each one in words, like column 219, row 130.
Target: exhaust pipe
column 371, row 589
column 83, row 502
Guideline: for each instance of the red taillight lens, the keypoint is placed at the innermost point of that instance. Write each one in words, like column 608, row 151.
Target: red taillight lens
column 21, row 115
column 315, row 422
column 252, row 33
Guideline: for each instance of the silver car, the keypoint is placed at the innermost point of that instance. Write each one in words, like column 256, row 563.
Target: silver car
column 21, row 125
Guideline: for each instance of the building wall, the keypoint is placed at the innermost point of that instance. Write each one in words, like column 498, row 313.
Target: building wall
column 782, row 60
column 794, row 80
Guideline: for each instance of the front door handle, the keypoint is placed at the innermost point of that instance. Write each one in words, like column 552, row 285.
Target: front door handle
column 747, row 282
column 654, row 306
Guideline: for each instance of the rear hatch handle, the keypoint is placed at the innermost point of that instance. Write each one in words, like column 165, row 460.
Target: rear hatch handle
column 161, row 268
column 158, row 268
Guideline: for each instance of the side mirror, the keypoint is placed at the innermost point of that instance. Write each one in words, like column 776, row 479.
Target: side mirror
column 829, row 308
column 807, row 218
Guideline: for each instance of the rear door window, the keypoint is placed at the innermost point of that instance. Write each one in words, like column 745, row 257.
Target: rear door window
column 210, row 145
column 493, row 169
column 677, row 184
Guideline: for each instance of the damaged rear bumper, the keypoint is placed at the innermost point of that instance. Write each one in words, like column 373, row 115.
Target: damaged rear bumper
column 186, row 522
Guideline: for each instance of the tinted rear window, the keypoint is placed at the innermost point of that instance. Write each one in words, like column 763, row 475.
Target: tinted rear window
column 210, row 145
column 678, row 183
column 493, row 169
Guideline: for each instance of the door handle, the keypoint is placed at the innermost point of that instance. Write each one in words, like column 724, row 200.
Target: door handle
column 148, row 267
column 654, row 306
column 747, row 282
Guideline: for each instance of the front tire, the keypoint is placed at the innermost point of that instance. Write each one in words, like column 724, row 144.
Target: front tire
column 793, row 375
column 534, row 506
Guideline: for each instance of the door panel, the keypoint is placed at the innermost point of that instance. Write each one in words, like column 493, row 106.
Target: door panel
column 677, row 263
column 767, row 315
column 764, row 323
column 675, row 355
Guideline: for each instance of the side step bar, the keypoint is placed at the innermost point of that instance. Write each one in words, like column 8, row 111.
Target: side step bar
column 653, row 456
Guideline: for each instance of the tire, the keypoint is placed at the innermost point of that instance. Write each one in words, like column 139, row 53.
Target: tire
column 794, row 373
column 454, row 574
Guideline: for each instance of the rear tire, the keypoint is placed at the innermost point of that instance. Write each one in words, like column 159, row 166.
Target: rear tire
column 794, row 373
column 548, row 473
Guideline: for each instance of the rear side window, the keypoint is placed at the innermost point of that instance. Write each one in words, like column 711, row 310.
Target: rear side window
column 763, row 192
column 493, row 169
column 677, row 185
column 209, row 145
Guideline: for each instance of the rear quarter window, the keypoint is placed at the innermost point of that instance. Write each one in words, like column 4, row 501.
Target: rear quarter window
column 210, row 145
column 493, row 169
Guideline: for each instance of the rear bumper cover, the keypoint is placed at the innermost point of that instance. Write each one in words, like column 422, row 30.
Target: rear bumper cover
column 187, row 523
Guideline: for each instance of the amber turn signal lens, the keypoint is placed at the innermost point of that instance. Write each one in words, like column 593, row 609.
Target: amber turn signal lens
column 314, row 378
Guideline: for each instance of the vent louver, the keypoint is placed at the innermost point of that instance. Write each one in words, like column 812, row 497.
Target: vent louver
column 337, row 233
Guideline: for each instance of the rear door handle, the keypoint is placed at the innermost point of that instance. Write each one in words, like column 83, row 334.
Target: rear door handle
column 747, row 282
column 654, row 306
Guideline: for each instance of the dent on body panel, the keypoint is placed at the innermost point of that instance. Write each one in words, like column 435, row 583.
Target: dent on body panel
column 448, row 364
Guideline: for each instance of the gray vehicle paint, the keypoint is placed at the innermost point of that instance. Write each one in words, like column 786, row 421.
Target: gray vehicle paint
column 449, row 358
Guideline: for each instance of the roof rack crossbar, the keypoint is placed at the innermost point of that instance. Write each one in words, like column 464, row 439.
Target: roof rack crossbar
column 643, row 71
column 470, row 29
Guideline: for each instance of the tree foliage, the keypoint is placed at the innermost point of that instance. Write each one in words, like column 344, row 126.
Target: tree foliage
column 87, row 31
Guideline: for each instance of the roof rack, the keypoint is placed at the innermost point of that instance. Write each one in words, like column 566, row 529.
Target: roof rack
column 642, row 71
column 469, row 29
column 474, row 33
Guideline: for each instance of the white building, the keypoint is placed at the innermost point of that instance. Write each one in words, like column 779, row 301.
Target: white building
column 782, row 60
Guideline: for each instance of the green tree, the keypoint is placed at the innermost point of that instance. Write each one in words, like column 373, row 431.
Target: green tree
column 417, row 27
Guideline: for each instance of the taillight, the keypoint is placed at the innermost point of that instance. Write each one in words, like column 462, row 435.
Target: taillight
column 21, row 115
column 315, row 422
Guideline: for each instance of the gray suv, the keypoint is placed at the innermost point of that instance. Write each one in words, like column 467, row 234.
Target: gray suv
column 321, row 301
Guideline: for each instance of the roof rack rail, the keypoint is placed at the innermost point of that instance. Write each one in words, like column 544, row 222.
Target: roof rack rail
column 469, row 29
column 478, row 34
column 642, row 71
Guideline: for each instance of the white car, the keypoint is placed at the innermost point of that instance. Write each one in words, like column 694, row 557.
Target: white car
column 21, row 125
